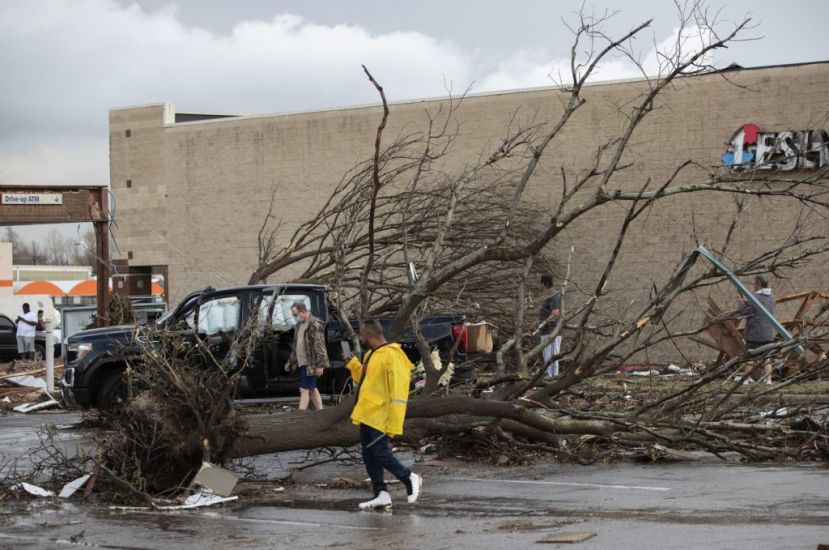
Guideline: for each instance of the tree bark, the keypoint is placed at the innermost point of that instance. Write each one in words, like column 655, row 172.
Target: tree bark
column 332, row 427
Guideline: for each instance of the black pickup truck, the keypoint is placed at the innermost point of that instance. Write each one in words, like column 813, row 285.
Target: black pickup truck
column 94, row 360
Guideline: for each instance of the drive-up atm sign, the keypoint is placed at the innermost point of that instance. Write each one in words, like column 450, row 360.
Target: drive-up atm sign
column 43, row 199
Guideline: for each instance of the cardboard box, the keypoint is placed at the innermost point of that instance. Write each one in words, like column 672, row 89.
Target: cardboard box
column 479, row 338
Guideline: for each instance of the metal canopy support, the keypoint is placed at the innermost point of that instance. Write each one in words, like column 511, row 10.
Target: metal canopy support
column 691, row 259
column 65, row 204
column 102, row 271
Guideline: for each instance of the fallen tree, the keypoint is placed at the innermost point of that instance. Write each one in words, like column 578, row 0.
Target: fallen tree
column 469, row 237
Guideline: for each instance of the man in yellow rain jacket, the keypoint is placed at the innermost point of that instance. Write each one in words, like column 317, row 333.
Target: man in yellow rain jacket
column 382, row 393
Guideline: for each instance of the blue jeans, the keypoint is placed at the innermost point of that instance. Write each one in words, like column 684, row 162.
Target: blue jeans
column 377, row 455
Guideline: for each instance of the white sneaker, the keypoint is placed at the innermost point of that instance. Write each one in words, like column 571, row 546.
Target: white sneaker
column 417, row 483
column 380, row 501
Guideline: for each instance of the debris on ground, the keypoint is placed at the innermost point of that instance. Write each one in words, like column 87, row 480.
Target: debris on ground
column 657, row 452
column 31, row 407
column 199, row 499
column 67, row 491
column 34, row 490
column 566, row 538
column 27, row 381
column 216, row 480
column 667, row 371
column 257, row 489
column 21, row 390
column 70, row 488
column 344, row 483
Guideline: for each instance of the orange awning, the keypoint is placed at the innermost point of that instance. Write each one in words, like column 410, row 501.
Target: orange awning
column 88, row 287
column 41, row 287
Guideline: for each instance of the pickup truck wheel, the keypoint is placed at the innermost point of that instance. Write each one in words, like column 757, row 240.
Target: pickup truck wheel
column 40, row 353
column 112, row 391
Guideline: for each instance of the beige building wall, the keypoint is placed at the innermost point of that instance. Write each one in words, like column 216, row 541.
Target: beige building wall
column 191, row 195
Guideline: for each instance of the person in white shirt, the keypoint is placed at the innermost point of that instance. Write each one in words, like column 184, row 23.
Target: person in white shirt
column 26, row 324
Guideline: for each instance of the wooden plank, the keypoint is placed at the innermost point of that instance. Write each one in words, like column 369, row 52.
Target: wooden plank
column 725, row 333
column 818, row 294
column 804, row 308
column 724, row 340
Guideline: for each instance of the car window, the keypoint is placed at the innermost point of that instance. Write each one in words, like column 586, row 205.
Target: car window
column 217, row 315
column 281, row 318
column 6, row 324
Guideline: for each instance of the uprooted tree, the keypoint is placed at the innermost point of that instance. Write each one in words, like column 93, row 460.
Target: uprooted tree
column 403, row 235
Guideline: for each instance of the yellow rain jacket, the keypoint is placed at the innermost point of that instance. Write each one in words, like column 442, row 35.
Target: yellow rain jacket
column 384, row 391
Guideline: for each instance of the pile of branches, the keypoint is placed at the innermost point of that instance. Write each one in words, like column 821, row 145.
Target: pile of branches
column 178, row 410
column 175, row 413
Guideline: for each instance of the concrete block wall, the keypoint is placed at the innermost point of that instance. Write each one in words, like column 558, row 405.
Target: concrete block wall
column 200, row 190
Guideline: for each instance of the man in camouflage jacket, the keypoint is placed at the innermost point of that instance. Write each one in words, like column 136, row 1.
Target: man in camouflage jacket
column 308, row 355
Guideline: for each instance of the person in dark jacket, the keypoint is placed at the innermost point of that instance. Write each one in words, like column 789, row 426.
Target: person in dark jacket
column 309, row 355
column 758, row 330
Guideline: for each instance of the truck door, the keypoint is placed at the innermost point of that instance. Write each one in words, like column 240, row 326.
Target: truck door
column 208, row 327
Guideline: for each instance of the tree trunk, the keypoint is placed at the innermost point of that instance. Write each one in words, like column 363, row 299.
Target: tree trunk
column 332, row 427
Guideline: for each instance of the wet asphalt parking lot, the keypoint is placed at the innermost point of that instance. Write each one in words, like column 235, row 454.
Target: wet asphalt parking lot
column 688, row 505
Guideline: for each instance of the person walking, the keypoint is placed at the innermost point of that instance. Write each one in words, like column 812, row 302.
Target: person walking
column 758, row 330
column 548, row 314
column 308, row 355
column 26, row 324
column 383, row 379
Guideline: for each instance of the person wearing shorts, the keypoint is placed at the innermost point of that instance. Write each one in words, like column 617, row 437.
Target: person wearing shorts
column 26, row 323
column 308, row 355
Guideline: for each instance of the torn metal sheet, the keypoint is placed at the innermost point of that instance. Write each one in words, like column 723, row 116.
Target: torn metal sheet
column 70, row 488
column 29, row 407
column 28, row 381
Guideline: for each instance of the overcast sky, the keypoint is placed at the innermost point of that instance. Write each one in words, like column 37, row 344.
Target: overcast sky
column 65, row 63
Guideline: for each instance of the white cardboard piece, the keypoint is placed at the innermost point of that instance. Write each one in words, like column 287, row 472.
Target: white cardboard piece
column 35, row 490
column 70, row 488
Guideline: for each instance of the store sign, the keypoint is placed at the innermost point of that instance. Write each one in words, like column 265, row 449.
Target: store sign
column 752, row 148
column 32, row 198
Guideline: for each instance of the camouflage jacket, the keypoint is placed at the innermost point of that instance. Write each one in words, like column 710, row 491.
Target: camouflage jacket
column 314, row 346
